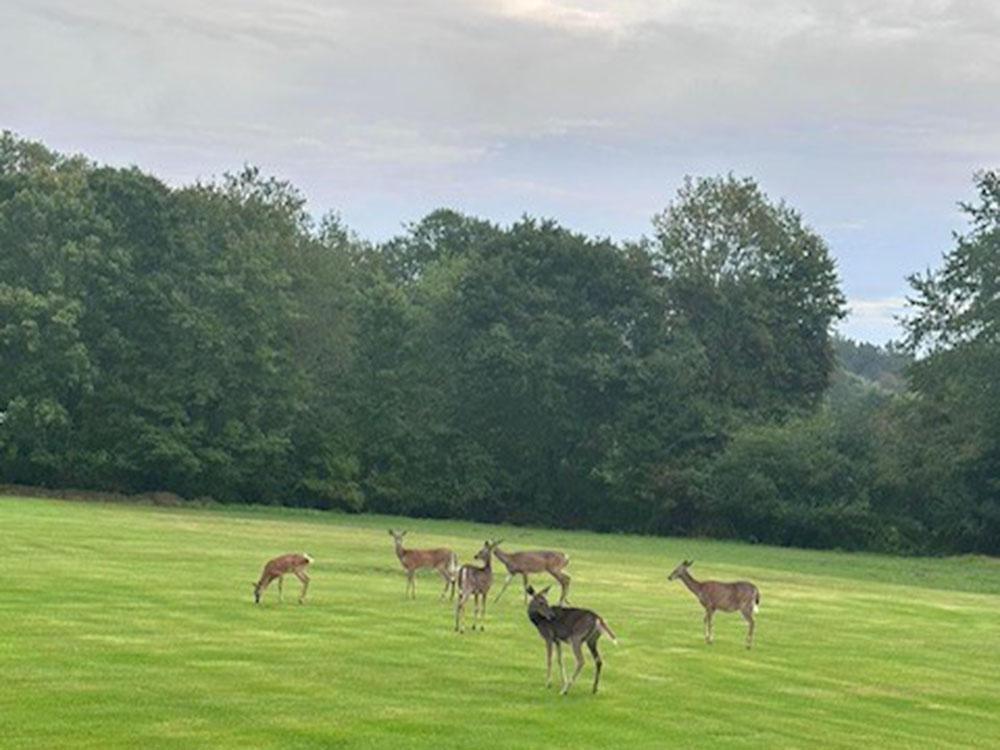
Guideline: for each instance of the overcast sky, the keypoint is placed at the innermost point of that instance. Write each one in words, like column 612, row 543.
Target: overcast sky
column 870, row 117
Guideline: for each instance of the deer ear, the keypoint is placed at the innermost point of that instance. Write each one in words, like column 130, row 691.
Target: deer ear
column 530, row 590
column 544, row 591
column 497, row 542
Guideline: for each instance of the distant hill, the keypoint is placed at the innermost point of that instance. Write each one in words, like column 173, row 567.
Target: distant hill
column 882, row 365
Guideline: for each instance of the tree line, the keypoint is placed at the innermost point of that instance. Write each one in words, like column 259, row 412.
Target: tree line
column 214, row 340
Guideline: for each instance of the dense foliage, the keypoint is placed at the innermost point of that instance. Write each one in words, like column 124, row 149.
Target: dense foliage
column 214, row 340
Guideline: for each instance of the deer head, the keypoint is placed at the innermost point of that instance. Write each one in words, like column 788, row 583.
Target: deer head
column 397, row 536
column 487, row 550
column 539, row 603
column 680, row 570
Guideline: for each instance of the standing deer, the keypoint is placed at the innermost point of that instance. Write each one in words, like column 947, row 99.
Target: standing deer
column 535, row 561
column 442, row 559
column 277, row 568
column 740, row 596
column 475, row 582
column 574, row 626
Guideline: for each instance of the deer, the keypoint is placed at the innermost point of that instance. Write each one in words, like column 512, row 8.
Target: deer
column 294, row 563
column 534, row 561
column 475, row 582
column 740, row 596
column 574, row 626
column 442, row 559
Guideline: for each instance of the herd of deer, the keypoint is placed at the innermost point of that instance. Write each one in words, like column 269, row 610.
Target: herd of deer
column 556, row 624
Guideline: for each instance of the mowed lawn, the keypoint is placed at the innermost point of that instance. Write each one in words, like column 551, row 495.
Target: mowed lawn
column 133, row 626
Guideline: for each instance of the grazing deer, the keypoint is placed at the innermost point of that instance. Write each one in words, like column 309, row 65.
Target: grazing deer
column 475, row 582
column 741, row 596
column 536, row 561
column 442, row 559
column 574, row 626
column 277, row 568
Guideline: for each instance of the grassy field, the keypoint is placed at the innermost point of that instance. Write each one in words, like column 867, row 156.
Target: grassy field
column 132, row 626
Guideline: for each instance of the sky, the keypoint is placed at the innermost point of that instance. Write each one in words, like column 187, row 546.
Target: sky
column 870, row 118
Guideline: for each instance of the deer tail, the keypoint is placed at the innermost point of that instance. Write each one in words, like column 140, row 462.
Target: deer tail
column 603, row 627
column 756, row 602
column 453, row 566
column 308, row 557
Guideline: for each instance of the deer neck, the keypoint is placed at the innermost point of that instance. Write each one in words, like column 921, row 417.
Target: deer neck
column 400, row 552
column 503, row 557
column 689, row 581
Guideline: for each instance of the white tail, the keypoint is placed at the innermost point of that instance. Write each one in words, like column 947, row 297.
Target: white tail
column 603, row 627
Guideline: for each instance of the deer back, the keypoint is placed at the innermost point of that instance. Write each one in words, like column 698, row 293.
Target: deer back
column 532, row 561
column 279, row 566
column 565, row 624
column 412, row 559
column 729, row 597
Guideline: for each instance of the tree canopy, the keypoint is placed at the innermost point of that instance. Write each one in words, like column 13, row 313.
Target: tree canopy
column 214, row 340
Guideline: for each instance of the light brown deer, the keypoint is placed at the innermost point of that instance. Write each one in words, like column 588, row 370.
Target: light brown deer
column 442, row 559
column 740, row 596
column 574, row 626
column 475, row 582
column 534, row 561
column 293, row 563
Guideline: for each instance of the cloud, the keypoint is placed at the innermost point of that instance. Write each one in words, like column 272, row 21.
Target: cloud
column 590, row 111
column 874, row 320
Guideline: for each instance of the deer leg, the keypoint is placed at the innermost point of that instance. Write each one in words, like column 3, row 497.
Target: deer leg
column 459, row 611
column 447, row 582
column 263, row 587
column 748, row 616
column 578, row 655
column 281, row 593
column 482, row 606
column 506, row 583
column 708, row 626
column 548, row 663
column 305, row 584
column 411, row 585
column 562, row 667
column 525, row 587
column 563, row 584
column 592, row 644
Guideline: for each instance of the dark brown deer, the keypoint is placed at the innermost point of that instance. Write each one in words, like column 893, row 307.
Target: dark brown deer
column 277, row 568
column 442, row 559
column 475, row 582
column 573, row 626
column 740, row 596
column 534, row 561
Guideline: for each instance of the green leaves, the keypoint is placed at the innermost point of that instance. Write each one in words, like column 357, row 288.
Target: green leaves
column 213, row 340
column 757, row 287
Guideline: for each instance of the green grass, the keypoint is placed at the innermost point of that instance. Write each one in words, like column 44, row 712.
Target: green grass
column 132, row 626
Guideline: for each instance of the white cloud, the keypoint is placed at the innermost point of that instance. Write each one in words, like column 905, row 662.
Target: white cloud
column 874, row 320
column 874, row 110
